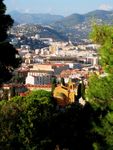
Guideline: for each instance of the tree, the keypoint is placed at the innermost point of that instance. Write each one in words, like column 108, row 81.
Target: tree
column 70, row 128
column 25, row 121
column 100, row 90
column 9, row 57
column 81, row 90
column 103, row 35
column 53, row 83
column 62, row 81
column 34, row 122
column 10, row 123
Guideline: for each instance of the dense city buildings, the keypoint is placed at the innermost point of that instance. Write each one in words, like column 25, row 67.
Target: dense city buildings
column 46, row 57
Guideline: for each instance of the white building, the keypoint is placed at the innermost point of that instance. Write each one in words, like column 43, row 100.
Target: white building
column 92, row 60
column 39, row 79
column 41, row 74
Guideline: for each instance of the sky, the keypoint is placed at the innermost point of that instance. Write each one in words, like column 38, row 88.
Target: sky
column 58, row 7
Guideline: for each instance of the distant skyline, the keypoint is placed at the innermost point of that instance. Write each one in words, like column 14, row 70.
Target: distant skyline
column 58, row 7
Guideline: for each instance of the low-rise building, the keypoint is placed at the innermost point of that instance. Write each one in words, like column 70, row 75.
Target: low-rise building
column 41, row 74
column 39, row 78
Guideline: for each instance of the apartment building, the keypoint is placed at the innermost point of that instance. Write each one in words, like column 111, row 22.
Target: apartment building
column 41, row 74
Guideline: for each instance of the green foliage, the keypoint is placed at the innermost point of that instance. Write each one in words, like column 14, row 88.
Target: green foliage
column 8, row 55
column 9, row 121
column 100, row 90
column 24, row 121
column 103, row 35
column 5, row 95
column 2, row 8
column 81, row 90
column 34, row 122
column 62, row 81
column 53, row 84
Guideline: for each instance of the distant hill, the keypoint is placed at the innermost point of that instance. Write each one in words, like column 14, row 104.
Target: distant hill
column 43, row 19
column 71, row 20
column 75, row 26
column 29, row 30
column 77, row 18
column 102, row 15
column 78, row 26
column 74, row 19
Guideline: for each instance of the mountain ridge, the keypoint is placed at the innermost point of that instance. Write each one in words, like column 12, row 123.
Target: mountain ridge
column 46, row 18
column 34, row 18
column 77, row 26
column 74, row 26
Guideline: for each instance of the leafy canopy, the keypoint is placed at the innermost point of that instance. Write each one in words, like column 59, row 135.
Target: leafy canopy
column 9, row 57
column 100, row 89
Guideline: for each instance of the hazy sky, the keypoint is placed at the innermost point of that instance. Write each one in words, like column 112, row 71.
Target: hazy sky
column 61, row 7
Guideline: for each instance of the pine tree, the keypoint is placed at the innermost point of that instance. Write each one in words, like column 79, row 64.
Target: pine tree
column 9, row 57
column 103, row 35
column 100, row 91
column 62, row 81
column 53, row 84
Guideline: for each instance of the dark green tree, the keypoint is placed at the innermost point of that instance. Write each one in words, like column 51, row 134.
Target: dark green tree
column 103, row 35
column 100, row 90
column 9, row 57
column 10, row 123
column 34, row 122
column 25, row 122
column 81, row 90
column 53, row 83
column 62, row 81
